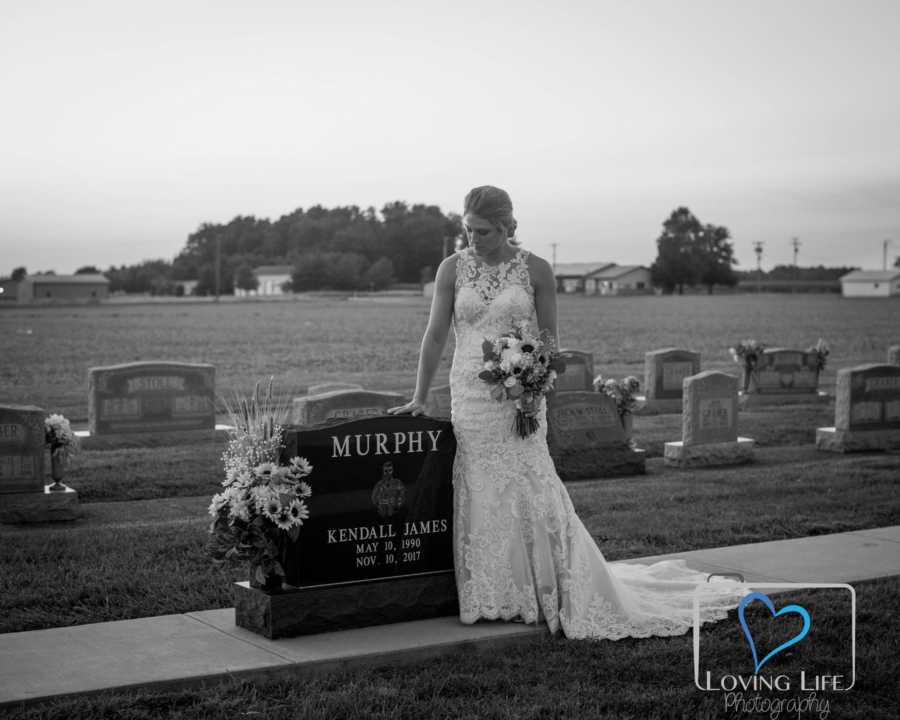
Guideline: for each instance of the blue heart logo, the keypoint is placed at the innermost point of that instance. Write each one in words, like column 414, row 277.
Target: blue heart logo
column 766, row 600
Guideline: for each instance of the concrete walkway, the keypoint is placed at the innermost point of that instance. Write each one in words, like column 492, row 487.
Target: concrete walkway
column 205, row 646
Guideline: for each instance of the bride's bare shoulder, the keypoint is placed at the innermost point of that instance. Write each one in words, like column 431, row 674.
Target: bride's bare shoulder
column 540, row 270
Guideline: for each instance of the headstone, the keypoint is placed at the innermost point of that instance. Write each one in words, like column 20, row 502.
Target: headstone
column 438, row 403
column 339, row 405
column 325, row 387
column 867, row 410
column 24, row 496
column 378, row 544
column 709, row 424
column 664, row 373
column 784, row 376
column 151, row 397
column 22, row 449
column 579, row 372
column 894, row 355
column 587, row 439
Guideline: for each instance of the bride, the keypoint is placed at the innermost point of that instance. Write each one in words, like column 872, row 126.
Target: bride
column 520, row 551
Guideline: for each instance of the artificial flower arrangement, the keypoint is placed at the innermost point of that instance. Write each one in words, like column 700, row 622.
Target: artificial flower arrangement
column 59, row 436
column 624, row 392
column 748, row 352
column 521, row 366
column 264, row 503
column 820, row 349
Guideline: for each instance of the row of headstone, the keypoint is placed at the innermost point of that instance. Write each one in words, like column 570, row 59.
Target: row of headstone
column 25, row 496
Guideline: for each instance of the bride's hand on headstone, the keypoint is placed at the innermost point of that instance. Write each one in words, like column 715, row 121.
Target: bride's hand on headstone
column 413, row 407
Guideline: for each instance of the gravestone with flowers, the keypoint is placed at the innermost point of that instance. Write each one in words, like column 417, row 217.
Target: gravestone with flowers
column 780, row 376
column 893, row 356
column 25, row 496
column 590, row 433
column 358, row 526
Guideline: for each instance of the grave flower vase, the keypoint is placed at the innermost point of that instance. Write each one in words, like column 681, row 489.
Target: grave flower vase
column 627, row 425
column 750, row 380
column 271, row 584
column 57, row 470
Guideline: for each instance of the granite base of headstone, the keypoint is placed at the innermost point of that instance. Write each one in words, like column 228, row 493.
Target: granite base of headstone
column 150, row 404
column 783, row 377
column 342, row 405
column 378, row 545
column 23, row 451
column 709, row 424
column 867, row 410
column 40, row 507
column 587, row 440
column 664, row 373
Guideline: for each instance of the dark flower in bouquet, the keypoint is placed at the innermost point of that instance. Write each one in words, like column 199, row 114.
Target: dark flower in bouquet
column 59, row 436
column 522, row 367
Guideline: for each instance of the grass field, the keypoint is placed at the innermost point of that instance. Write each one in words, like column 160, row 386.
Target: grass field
column 374, row 341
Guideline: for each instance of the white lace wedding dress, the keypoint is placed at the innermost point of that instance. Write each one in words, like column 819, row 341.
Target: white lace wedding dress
column 520, row 549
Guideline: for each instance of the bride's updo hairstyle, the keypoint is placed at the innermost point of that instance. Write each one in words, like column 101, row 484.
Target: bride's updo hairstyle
column 494, row 205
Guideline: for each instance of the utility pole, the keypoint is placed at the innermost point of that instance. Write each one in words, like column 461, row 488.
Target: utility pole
column 884, row 245
column 553, row 245
column 796, row 245
column 758, row 249
column 218, row 266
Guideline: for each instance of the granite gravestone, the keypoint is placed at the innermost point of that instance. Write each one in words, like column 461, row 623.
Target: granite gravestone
column 664, row 374
column 22, row 449
column 24, row 496
column 709, row 424
column 438, row 403
column 894, row 355
column 378, row 545
column 784, row 376
column 151, row 397
column 340, row 405
column 587, row 439
column 579, row 373
column 867, row 410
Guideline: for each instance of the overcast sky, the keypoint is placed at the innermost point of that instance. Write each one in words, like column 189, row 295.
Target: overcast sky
column 125, row 126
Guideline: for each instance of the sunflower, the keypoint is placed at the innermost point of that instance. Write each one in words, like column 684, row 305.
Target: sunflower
column 298, row 511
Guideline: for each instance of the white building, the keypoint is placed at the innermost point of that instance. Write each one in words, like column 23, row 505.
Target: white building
column 270, row 278
column 619, row 280
column 871, row 283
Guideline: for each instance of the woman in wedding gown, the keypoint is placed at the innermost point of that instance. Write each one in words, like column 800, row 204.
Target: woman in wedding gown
column 520, row 550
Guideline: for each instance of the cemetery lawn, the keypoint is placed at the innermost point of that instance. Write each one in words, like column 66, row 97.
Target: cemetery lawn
column 375, row 340
column 546, row 677
column 129, row 559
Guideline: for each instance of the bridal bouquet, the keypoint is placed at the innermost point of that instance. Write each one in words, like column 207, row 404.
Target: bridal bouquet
column 264, row 501
column 522, row 367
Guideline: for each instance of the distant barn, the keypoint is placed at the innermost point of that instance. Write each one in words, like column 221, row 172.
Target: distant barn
column 63, row 289
column 601, row 278
column 871, row 283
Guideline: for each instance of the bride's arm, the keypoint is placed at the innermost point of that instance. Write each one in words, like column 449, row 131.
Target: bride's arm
column 435, row 337
column 544, row 282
